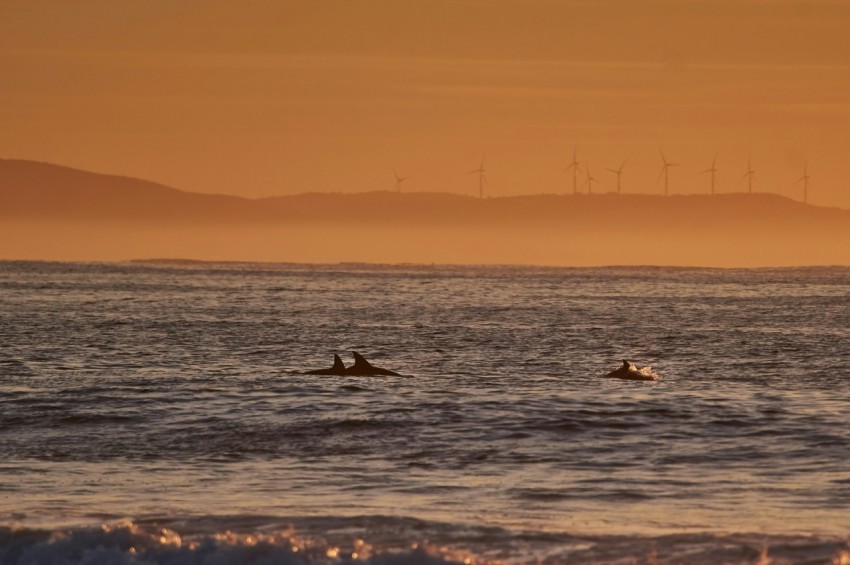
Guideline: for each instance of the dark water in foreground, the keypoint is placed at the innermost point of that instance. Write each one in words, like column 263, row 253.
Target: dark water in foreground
column 160, row 414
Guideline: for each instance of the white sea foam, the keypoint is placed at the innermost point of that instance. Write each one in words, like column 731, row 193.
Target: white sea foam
column 130, row 542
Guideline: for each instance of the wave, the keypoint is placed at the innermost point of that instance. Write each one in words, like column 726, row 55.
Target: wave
column 381, row 540
column 129, row 542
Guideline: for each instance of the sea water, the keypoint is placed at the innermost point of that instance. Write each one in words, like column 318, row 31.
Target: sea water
column 160, row 413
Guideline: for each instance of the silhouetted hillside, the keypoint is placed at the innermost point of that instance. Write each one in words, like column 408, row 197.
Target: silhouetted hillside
column 43, row 191
column 51, row 192
column 50, row 210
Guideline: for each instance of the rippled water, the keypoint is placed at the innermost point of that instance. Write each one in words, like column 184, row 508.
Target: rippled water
column 175, row 395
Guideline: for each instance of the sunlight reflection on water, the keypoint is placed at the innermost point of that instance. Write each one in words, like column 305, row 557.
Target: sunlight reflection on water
column 134, row 390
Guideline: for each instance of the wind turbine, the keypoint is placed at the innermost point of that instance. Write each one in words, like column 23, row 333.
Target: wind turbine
column 805, row 181
column 398, row 181
column 749, row 174
column 713, row 171
column 619, row 173
column 480, row 171
column 574, row 166
column 590, row 180
column 665, row 170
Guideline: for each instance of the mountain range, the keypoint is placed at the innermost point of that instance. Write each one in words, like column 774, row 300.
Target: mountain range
column 40, row 201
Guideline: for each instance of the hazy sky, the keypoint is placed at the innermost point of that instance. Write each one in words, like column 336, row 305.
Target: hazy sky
column 263, row 97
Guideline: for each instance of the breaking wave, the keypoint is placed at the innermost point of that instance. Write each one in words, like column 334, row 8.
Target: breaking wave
column 386, row 541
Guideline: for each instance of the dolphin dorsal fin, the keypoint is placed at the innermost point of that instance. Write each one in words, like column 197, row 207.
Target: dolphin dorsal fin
column 360, row 362
column 626, row 364
column 338, row 364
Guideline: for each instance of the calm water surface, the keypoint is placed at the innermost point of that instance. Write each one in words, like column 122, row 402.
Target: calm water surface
column 173, row 398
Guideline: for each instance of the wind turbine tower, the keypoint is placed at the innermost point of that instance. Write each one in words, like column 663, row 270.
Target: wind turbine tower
column 713, row 171
column 480, row 171
column 574, row 166
column 590, row 180
column 749, row 174
column 619, row 173
column 805, row 180
column 665, row 170
column 398, row 181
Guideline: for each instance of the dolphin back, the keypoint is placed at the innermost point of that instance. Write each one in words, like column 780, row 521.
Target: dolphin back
column 363, row 368
column 360, row 363
column 337, row 369
column 630, row 372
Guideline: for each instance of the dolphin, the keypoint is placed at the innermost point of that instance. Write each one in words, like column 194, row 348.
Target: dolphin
column 630, row 372
column 363, row 368
column 337, row 369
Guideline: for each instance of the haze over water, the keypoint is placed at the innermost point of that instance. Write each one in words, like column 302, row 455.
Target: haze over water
column 175, row 396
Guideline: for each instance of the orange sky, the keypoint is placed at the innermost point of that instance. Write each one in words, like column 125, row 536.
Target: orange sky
column 264, row 97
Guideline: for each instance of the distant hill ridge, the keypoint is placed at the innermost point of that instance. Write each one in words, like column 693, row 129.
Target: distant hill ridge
column 37, row 191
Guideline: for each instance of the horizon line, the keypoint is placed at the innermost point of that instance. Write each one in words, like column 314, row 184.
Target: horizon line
column 177, row 261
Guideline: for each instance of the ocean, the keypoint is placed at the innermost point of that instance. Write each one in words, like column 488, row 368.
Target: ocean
column 160, row 413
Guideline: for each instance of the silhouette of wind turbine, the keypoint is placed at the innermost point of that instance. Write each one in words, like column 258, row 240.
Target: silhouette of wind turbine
column 480, row 171
column 619, row 173
column 398, row 181
column 749, row 174
column 574, row 166
column 805, row 180
column 665, row 171
column 590, row 180
column 713, row 171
